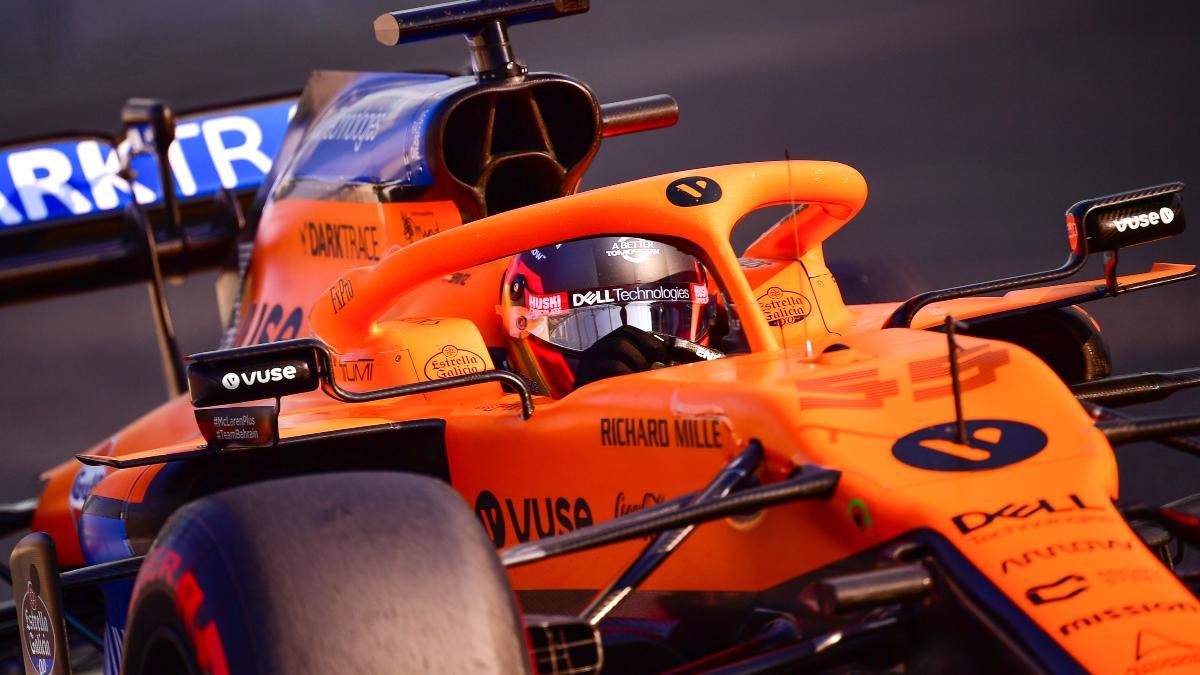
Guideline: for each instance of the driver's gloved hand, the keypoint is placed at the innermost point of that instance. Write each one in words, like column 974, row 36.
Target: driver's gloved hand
column 625, row 350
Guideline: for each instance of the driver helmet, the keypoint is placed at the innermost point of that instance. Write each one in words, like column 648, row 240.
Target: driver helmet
column 557, row 301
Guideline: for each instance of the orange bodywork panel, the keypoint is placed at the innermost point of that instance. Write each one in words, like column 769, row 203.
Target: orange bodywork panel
column 303, row 245
column 411, row 292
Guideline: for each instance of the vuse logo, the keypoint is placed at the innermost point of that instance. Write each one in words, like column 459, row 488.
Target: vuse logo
column 233, row 380
column 1164, row 215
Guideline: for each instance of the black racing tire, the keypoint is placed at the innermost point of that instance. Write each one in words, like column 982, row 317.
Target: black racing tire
column 344, row 572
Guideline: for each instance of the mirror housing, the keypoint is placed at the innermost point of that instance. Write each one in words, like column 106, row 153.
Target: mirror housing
column 1126, row 219
column 1102, row 224
column 255, row 373
column 403, row 352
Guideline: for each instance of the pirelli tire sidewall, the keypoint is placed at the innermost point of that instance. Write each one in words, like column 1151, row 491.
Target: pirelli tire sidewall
column 347, row 572
column 186, row 594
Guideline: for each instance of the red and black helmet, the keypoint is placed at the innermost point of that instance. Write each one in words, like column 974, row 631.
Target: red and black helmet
column 558, row 301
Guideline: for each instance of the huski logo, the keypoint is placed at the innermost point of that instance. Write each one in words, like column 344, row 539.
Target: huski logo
column 552, row 304
column 1164, row 215
column 264, row 376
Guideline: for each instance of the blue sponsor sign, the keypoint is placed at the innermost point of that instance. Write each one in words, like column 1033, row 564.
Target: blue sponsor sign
column 76, row 177
column 375, row 132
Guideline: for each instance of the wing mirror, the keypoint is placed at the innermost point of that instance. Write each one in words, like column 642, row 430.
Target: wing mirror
column 1099, row 225
column 1126, row 219
column 258, row 372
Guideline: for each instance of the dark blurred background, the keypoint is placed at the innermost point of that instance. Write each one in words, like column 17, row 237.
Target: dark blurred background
column 975, row 124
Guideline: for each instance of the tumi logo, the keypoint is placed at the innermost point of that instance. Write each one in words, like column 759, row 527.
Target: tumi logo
column 1164, row 215
column 233, row 380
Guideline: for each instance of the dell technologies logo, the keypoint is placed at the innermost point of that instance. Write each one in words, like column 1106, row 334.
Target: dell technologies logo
column 1164, row 215
column 232, row 380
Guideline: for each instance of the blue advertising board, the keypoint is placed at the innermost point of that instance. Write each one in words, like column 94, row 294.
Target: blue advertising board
column 375, row 132
column 57, row 180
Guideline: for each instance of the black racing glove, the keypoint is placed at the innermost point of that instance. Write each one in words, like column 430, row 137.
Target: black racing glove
column 632, row 350
column 625, row 350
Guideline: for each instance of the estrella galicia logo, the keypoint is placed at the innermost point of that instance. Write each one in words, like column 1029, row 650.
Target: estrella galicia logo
column 693, row 191
column 1064, row 589
column 37, row 629
column 1005, row 442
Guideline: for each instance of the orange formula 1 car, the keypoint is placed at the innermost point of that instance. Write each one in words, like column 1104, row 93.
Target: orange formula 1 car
column 402, row 458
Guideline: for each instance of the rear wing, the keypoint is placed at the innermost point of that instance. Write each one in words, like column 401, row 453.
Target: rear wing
column 1100, row 225
column 63, row 227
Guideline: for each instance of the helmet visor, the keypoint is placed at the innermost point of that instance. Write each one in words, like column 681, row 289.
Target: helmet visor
column 581, row 328
column 581, row 325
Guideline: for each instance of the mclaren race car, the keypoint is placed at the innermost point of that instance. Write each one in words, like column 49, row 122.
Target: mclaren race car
column 402, row 457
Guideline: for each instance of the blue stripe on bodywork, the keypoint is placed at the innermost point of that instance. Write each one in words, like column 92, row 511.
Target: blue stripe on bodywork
column 375, row 132
column 103, row 539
